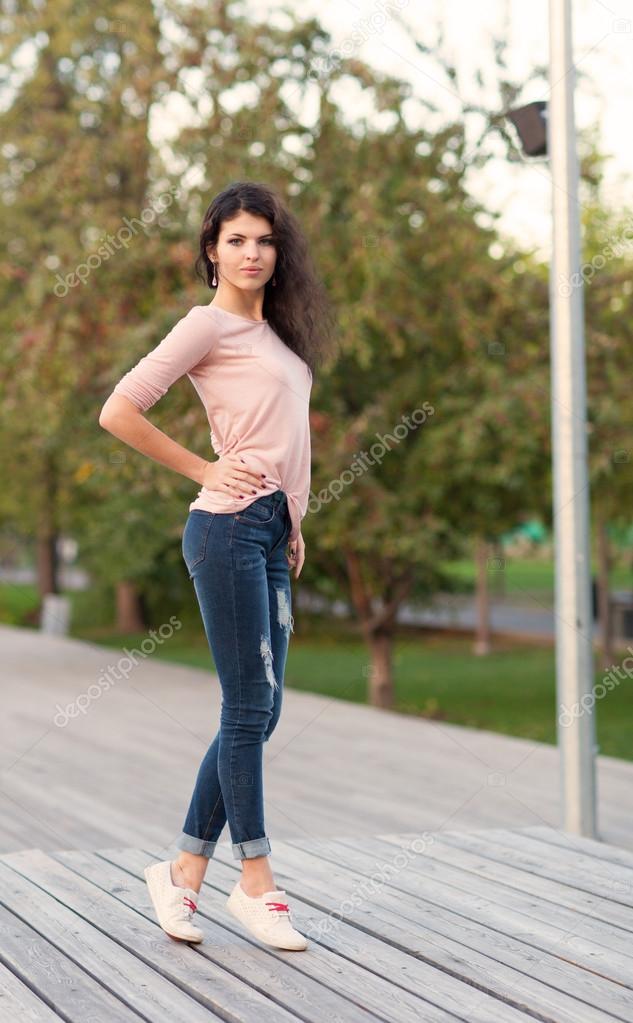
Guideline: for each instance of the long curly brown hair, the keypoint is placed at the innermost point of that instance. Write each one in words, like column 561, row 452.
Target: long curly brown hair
column 297, row 306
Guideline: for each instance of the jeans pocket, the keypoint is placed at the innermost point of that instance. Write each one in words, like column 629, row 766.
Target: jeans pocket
column 194, row 538
column 257, row 513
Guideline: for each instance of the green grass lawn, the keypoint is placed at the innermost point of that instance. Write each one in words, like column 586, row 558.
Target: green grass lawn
column 16, row 602
column 525, row 577
column 436, row 676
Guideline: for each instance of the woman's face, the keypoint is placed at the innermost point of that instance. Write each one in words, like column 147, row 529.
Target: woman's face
column 245, row 241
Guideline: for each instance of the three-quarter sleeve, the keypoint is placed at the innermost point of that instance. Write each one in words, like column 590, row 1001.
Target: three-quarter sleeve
column 187, row 344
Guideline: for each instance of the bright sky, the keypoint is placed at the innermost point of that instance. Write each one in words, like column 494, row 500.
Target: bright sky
column 603, row 49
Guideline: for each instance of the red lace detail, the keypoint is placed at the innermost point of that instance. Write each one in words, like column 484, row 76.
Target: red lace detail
column 189, row 902
column 281, row 907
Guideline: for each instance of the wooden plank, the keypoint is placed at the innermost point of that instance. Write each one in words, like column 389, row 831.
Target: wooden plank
column 69, row 819
column 587, row 873
column 606, row 910
column 18, row 1002
column 56, row 980
column 438, row 883
column 590, row 846
column 177, row 961
column 545, row 900
column 129, row 978
column 497, row 963
column 323, row 983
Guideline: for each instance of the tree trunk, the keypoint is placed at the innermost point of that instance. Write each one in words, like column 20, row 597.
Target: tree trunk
column 381, row 690
column 46, row 552
column 605, row 616
column 129, row 614
column 47, row 581
column 500, row 577
column 378, row 627
column 482, row 599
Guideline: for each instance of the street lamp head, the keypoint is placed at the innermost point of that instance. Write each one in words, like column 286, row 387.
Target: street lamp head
column 530, row 123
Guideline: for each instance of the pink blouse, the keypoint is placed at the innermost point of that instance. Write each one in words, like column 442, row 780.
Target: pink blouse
column 256, row 394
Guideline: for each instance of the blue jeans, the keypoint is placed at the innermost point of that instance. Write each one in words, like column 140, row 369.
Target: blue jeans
column 241, row 577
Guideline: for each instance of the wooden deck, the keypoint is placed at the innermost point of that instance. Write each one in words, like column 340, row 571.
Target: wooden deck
column 496, row 926
column 121, row 772
column 421, row 859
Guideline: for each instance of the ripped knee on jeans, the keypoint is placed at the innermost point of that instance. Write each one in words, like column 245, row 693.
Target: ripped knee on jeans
column 284, row 618
column 267, row 656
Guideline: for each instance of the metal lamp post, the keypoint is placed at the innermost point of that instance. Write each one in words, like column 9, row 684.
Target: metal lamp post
column 549, row 129
column 574, row 619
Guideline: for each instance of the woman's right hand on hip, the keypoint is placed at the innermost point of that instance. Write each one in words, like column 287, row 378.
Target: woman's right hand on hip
column 230, row 474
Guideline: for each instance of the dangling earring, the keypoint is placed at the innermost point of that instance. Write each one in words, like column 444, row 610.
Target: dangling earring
column 273, row 282
column 214, row 282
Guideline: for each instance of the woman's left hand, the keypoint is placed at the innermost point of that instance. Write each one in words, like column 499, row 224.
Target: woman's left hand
column 296, row 555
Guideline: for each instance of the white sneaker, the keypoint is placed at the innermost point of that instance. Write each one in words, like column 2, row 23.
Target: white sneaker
column 174, row 906
column 266, row 916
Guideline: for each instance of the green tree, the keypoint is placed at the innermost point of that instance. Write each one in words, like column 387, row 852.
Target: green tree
column 608, row 300
column 75, row 160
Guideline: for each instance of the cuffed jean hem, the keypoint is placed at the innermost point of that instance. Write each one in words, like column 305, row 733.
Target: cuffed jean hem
column 248, row 850
column 189, row 843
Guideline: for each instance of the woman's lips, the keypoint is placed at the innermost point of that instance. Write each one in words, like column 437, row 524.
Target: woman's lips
column 253, row 270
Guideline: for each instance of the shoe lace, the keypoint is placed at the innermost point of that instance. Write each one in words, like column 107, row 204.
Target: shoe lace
column 281, row 908
column 189, row 907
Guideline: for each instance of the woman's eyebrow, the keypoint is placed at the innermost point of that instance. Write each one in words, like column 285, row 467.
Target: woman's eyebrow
column 236, row 234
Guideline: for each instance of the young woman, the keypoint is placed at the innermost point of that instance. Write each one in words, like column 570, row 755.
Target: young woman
column 250, row 355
